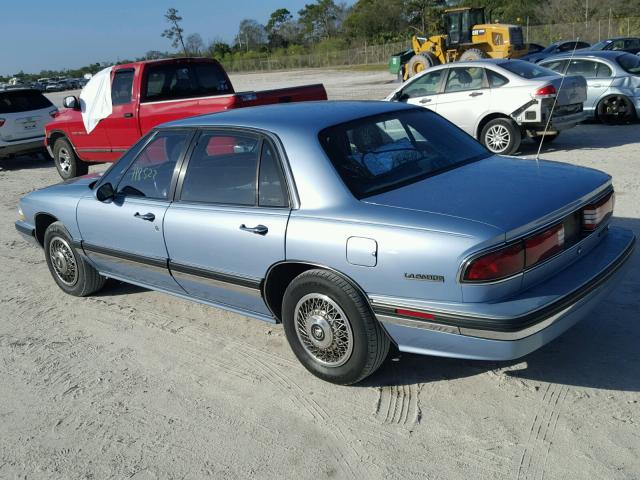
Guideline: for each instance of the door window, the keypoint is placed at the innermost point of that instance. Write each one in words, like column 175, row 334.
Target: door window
column 603, row 71
column 464, row 78
column 427, row 84
column 271, row 189
column 223, row 169
column 586, row 68
column 150, row 174
column 122, row 87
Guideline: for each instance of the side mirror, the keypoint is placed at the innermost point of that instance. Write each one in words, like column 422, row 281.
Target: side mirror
column 400, row 96
column 105, row 192
column 71, row 102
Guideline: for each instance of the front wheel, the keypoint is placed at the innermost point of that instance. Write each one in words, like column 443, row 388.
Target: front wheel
column 67, row 162
column 70, row 271
column 331, row 329
column 501, row 136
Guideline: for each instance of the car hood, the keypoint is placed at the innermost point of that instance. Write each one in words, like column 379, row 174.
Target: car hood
column 79, row 185
column 511, row 194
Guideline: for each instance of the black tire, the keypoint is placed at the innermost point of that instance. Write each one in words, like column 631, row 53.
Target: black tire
column 501, row 136
column 615, row 110
column 61, row 256
column 421, row 62
column 472, row 54
column 335, row 363
column 67, row 162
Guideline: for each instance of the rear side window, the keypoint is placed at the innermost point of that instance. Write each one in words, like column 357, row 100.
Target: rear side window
column 122, row 87
column 557, row 65
column 22, row 101
column 464, row 78
column 585, row 68
column 223, row 169
column 603, row 71
column 495, row 79
column 184, row 80
column 271, row 191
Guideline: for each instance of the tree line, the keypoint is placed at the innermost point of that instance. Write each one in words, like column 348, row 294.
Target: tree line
column 326, row 26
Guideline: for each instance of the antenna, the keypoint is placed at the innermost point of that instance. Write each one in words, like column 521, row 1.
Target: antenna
column 555, row 100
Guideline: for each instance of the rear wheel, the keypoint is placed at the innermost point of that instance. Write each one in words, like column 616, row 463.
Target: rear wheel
column 67, row 162
column 421, row 62
column 70, row 271
column 472, row 54
column 615, row 110
column 501, row 136
column 331, row 329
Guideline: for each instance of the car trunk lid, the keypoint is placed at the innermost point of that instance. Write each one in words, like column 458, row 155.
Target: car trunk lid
column 513, row 195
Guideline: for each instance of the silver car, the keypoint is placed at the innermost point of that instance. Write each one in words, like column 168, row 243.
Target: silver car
column 613, row 79
column 498, row 101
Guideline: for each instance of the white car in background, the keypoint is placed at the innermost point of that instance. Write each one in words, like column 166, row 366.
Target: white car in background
column 499, row 101
column 23, row 115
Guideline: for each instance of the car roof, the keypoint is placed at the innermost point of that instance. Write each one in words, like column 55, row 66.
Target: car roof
column 300, row 117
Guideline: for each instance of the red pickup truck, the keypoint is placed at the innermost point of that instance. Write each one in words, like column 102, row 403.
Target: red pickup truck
column 146, row 94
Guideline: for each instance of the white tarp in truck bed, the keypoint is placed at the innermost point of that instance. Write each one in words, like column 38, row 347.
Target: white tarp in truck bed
column 95, row 99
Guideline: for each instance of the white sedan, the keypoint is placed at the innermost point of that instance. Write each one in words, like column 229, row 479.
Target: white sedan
column 499, row 101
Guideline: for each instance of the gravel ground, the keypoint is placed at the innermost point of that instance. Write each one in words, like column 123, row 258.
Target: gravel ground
column 136, row 384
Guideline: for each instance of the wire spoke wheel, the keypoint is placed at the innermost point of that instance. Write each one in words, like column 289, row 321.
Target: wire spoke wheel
column 323, row 330
column 498, row 138
column 63, row 261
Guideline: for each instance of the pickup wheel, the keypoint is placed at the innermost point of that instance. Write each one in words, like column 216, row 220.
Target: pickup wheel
column 501, row 136
column 67, row 162
column 331, row 328
column 71, row 272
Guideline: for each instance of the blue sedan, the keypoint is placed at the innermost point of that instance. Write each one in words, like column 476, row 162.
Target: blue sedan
column 355, row 224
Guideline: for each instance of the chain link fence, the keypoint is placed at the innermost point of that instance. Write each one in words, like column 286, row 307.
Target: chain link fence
column 365, row 55
column 591, row 31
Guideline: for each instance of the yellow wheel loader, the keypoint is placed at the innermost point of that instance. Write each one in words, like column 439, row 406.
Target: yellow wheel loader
column 468, row 37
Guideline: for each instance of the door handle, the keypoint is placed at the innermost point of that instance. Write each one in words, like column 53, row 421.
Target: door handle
column 149, row 217
column 475, row 94
column 128, row 115
column 259, row 229
column 425, row 100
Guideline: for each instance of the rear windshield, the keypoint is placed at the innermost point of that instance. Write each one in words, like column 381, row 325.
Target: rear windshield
column 527, row 70
column 629, row 63
column 172, row 81
column 22, row 101
column 376, row 154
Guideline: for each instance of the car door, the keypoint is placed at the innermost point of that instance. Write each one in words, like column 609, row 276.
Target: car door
column 228, row 224
column 423, row 91
column 122, row 125
column 123, row 235
column 598, row 76
column 466, row 97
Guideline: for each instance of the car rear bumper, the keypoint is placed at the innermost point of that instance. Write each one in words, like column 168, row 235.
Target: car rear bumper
column 512, row 328
column 558, row 123
column 21, row 146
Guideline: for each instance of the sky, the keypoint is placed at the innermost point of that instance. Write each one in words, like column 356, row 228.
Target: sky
column 39, row 35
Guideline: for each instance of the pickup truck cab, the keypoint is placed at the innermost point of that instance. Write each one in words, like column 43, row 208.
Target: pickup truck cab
column 146, row 94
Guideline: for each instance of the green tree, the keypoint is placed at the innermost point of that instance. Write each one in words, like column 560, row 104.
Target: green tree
column 281, row 30
column 195, row 45
column 251, row 35
column 321, row 20
column 175, row 31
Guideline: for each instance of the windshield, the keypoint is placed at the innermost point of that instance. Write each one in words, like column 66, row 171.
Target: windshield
column 600, row 45
column 551, row 47
column 383, row 152
column 629, row 63
column 527, row 70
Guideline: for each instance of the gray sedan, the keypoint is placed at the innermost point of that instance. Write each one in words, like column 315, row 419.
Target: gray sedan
column 613, row 81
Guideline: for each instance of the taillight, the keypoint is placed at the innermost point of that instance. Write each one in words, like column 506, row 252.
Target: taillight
column 546, row 91
column 544, row 245
column 2, row 121
column 594, row 214
column 496, row 265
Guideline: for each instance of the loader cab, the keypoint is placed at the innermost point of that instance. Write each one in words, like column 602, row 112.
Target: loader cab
column 459, row 23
